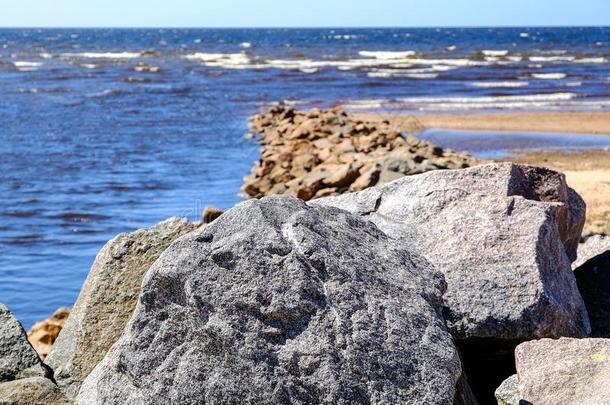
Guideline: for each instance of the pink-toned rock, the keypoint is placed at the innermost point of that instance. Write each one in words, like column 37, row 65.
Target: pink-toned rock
column 566, row 371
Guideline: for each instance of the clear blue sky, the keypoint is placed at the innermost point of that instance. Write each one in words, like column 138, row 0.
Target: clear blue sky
column 304, row 13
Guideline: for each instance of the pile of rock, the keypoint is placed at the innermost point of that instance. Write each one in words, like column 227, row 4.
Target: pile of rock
column 322, row 153
column 417, row 291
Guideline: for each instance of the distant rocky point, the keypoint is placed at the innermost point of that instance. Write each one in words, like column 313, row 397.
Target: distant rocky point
column 322, row 153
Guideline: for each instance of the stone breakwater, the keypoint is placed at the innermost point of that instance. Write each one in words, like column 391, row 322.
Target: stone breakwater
column 441, row 288
column 322, row 153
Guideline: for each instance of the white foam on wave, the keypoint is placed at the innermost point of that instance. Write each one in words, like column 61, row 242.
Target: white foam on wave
column 103, row 55
column 490, row 99
column 546, row 101
column 369, row 59
column 524, row 35
column 228, row 60
column 551, row 58
column 592, row 60
column 25, row 66
column 245, row 45
column 492, row 52
column 422, row 75
column 386, row 55
column 549, row 76
column 514, row 84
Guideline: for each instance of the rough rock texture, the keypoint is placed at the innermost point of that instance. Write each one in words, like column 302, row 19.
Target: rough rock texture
column 17, row 357
column 277, row 302
column 591, row 247
column 43, row 334
column 31, row 391
column 320, row 153
column 107, row 300
column 508, row 392
column 565, row 371
column 593, row 278
column 501, row 234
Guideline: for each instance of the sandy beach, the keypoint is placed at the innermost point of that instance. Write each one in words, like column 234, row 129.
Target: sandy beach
column 588, row 172
column 577, row 122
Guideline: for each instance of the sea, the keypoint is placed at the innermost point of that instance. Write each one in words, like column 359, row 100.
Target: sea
column 105, row 131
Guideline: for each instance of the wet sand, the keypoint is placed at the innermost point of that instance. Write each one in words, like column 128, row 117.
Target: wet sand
column 587, row 171
column 578, row 122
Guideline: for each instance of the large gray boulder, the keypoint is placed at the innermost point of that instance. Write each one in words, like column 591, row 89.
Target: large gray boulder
column 277, row 302
column 503, row 236
column 565, row 371
column 107, row 300
column 17, row 357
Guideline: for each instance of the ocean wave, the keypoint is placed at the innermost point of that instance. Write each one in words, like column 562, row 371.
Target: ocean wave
column 220, row 59
column 551, row 58
column 386, row 55
column 499, row 84
column 491, row 99
column 592, row 60
column 491, row 52
column 246, row 45
column 26, row 66
column 469, row 103
column 549, row 76
column 103, row 55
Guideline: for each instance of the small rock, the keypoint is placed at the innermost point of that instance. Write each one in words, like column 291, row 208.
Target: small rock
column 210, row 214
column 508, row 392
column 564, row 371
column 43, row 334
column 592, row 246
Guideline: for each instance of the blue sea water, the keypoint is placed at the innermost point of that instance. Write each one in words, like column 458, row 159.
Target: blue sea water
column 108, row 130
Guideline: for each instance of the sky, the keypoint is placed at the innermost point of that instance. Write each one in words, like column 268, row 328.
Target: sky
column 305, row 13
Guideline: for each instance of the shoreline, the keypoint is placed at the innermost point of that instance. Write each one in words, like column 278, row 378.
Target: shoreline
column 564, row 122
column 587, row 170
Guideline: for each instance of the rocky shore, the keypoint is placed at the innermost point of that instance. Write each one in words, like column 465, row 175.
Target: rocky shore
column 448, row 287
column 323, row 153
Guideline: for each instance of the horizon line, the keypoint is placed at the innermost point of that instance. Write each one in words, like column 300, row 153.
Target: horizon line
column 305, row 27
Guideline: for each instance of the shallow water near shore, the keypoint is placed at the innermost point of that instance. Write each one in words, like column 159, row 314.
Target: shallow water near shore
column 501, row 144
column 108, row 130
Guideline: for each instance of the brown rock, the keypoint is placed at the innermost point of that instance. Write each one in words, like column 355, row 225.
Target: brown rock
column 369, row 175
column 296, row 144
column 43, row 334
column 564, row 371
column 210, row 214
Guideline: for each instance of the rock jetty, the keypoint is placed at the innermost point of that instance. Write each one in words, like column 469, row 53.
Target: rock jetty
column 322, row 153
